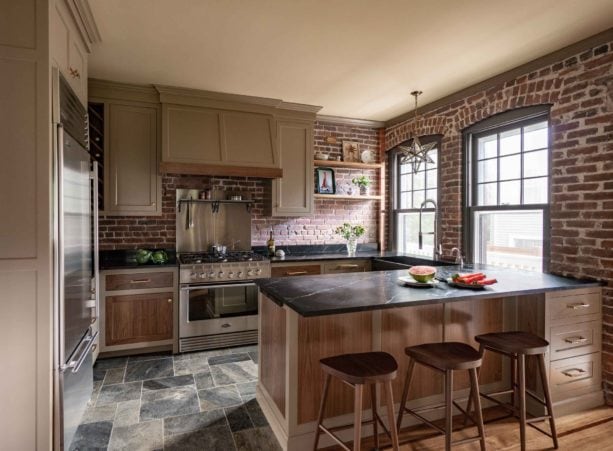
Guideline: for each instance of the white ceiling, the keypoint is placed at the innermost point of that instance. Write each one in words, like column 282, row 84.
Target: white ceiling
column 356, row 58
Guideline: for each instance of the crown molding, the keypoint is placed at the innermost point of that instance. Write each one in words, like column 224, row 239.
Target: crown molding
column 106, row 89
column 86, row 23
column 350, row 121
column 531, row 66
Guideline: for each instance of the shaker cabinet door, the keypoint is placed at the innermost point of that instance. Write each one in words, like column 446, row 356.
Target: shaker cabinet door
column 132, row 183
column 138, row 318
column 293, row 193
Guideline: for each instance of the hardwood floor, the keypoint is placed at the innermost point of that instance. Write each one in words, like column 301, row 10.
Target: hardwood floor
column 584, row 431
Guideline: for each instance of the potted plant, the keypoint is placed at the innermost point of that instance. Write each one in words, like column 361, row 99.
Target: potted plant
column 363, row 182
column 351, row 234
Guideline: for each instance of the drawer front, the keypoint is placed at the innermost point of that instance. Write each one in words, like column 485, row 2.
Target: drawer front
column 139, row 281
column 571, row 340
column 346, row 266
column 296, row 270
column 563, row 307
column 575, row 376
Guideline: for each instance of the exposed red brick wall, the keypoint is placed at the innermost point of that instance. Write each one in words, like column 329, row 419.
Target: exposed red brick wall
column 580, row 90
column 121, row 232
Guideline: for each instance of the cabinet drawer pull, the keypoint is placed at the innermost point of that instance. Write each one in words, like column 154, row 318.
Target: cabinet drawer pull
column 347, row 266
column 574, row 372
column 170, row 301
column 226, row 325
column 94, row 347
column 295, row 273
column 575, row 340
column 577, row 305
column 140, row 280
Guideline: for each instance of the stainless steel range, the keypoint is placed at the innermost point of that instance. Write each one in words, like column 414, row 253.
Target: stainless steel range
column 218, row 301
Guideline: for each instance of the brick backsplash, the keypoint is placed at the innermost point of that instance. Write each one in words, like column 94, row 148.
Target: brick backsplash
column 580, row 92
column 130, row 232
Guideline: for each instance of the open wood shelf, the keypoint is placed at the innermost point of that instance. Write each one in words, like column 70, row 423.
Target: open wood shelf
column 347, row 164
column 345, row 197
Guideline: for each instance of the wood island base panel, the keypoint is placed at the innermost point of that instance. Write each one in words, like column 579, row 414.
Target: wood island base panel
column 291, row 345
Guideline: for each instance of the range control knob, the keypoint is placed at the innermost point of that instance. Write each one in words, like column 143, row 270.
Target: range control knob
column 240, row 274
column 258, row 271
column 221, row 274
column 231, row 275
column 250, row 272
column 212, row 275
column 202, row 275
column 193, row 274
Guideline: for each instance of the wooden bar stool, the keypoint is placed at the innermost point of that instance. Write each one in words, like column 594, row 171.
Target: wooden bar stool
column 517, row 346
column 446, row 358
column 358, row 370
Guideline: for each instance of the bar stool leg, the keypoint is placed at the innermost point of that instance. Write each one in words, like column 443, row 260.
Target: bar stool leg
column 373, row 401
column 405, row 392
column 448, row 408
column 389, row 394
column 521, row 368
column 513, row 380
column 545, row 383
column 470, row 395
column 474, row 384
column 357, row 417
column 322, row 408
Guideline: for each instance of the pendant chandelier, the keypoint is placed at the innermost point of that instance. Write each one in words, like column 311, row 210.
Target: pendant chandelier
column 416, row 153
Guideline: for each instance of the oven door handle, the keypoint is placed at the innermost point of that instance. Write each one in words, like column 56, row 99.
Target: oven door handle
column 208, row 287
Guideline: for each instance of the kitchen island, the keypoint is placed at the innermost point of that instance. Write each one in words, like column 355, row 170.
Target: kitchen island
column 304, row 319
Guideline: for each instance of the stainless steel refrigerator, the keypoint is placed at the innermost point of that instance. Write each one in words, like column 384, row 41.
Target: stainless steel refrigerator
column 76, row 272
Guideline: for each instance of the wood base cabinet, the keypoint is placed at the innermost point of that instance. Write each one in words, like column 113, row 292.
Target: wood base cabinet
column 137, row 318
column 139, row 309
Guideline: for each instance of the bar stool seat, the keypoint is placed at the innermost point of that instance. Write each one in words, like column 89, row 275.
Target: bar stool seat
column 446, row 358
column 514, row 342
column 362, row 368
column 357, row 371
column 518, row 345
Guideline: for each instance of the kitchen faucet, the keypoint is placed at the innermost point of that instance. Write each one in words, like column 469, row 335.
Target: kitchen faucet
column 437, row 247
column 460, row 258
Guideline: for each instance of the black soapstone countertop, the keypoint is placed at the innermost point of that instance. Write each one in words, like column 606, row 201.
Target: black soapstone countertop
column 353, row 292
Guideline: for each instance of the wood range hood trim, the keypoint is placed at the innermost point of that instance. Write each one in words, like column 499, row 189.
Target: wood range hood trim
column 220, row 170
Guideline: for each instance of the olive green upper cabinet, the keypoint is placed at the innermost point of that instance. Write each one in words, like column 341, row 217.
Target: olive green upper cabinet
column 292, row 195
column 68, row 48
column 132, row 184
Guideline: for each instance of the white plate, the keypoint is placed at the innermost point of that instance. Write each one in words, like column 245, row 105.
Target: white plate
column 368, row 156
column 410, row 282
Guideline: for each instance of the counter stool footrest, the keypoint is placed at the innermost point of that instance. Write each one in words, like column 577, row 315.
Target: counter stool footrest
column 425, row 420
column 538, row 419
column 426, row 408
column 334, row 437
column 542, row 431
column 505, row 405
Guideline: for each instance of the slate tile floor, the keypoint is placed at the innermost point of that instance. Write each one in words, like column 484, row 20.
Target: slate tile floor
column 197, row 401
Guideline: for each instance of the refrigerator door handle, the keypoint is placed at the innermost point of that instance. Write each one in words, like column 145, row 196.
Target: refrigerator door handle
column 96, row 278
column 76, row 363
column 60, row 242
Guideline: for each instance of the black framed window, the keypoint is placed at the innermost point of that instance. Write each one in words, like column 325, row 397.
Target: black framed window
column 409, row 190
column 507, row 198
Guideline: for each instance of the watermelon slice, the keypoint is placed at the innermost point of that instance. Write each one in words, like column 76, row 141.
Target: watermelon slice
column 422, row 274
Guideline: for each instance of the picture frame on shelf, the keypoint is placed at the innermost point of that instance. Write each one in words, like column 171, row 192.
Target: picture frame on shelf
column 326, row 183
column 351, row 151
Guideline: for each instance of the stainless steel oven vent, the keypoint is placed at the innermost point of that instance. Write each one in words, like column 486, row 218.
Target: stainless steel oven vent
column 205, row 342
